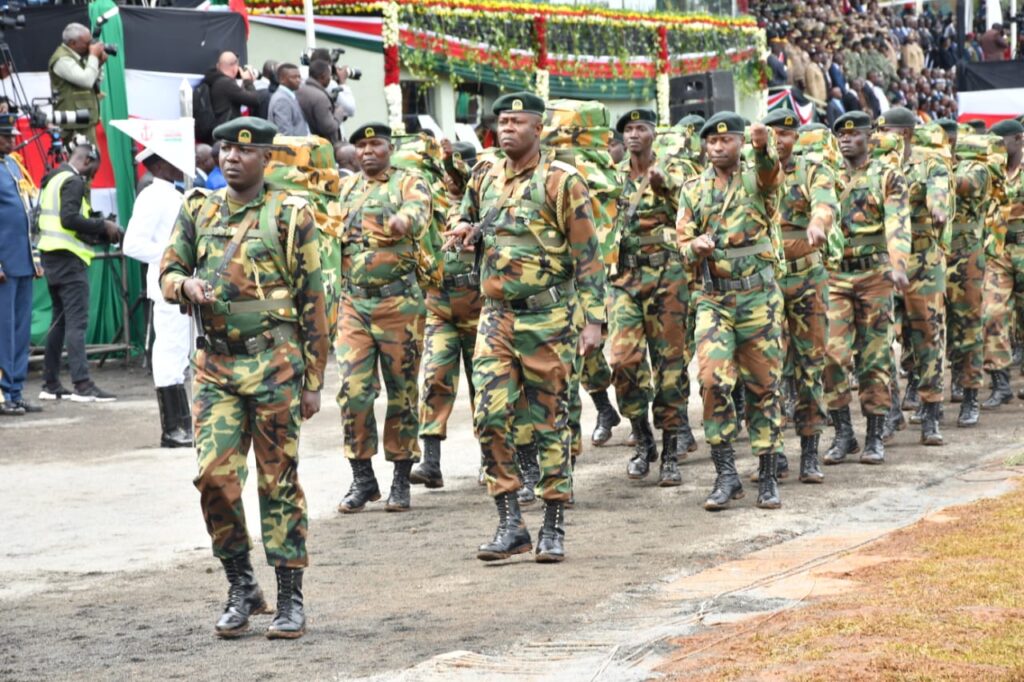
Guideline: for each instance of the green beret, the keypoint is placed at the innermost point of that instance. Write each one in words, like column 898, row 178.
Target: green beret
column 246, row 130
column 978, row 124
column 465, row 152
column 644, row 115
column 370, row 130
column 814, row 125
column 721, row 123
column 897, row 117
column 617, row 137
column 1010, row 126
column 949, row 125
column 855, row 120
column 695, row 120
column 519, row 101
column 782, row 118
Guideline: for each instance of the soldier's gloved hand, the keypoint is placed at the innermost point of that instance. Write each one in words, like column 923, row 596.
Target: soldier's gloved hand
column 398, row 225
column 759, row 136
column 590, row 338
column 657, row 179
column 703, row 245
column 899, row 280
column 459, row 237
column 309, row 403
column 197, row 291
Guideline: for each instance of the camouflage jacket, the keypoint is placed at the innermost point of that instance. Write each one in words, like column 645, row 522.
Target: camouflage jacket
column 257, row 271
column 547, row 225
column 738, row 213
column 973, row 184
column 929, row 189
column 808, row 192
column 1013, row 209
column 875, row 216
column 655, row 211
column 371, row 255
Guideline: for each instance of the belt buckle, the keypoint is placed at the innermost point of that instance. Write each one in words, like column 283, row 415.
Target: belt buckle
column 253, row 345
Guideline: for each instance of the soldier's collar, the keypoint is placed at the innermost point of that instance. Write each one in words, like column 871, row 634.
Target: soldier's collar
column 383, row 176
column 258, row 199
column 528, row 168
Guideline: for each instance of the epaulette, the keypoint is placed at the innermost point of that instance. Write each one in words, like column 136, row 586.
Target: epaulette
column 565, row 167
column 197, row 192
column 296, row 201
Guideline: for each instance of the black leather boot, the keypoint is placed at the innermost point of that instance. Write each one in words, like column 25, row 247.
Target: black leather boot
column 529, row 470
column 551, row 539
column 969, row 412
column 956, row 391
column 631, row 439
column 428, row 473
column 809, row 471
column 1001, row 392
column 844, row 442
column 917, row 416
column 874, row 448
column 931, row 416
column 668, row 475
column 768, row 482
column 400, row 498
column 727, row 482
column 172, row 429
column 511, row 537
column 245, row 598
column 911, row 399
column 685, row 443
column 607, row 418
column 364, row 487
column 782, row 469
column 894, row 419
column 290, row 620
column 646, row 449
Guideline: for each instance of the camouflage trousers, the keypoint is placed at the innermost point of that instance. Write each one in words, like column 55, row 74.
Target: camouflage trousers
column 523, row 369
column 739, row 338
column 649, row 314
column 806, row 342
column 965, row 275
column 389, row 332
column 921, row 320
column 860, row 319
column 452, row 320
column 1003, row 294
column 330, row 266
column 596, row 375
column 252, row 400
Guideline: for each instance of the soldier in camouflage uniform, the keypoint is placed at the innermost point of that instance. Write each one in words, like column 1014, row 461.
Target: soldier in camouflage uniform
column 246, row 259
column 385, row 213
column 544, row 303
column 453, row 313
column 875, row 224
column 929, row 192
column 726, row 228
column 649, row 302
column 807, row 211
column 1003, row 292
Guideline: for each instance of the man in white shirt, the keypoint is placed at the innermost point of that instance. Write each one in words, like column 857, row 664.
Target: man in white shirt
column 149, row 232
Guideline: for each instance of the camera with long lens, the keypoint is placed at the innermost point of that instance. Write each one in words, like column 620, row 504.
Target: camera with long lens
column 110, row 49
column 353, row 73
column 41, row 118
column 335, row 54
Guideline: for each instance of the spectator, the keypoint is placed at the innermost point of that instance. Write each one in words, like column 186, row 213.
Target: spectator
column 777, row 65
column 875, row 82
column 269, row 74
column 75, row 70
column 285, row 111
column 226, row 97
column 913, row 55
column 215, row 178
column 347, row 158
column 994, row 44
column 316, row 104
column 205, row 163
column 814, row 80
column 835, row 106
column 836, row 72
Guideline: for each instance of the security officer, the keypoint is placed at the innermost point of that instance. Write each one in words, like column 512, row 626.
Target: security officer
column 246, row 260
column 875, row 221
column 543, row 283
column 725, row 228
column 929, row 192
column 385, row 213
column 1001, row 293
column 807, row 211
column 453, row 313
column 67, row 233
column 649, row 302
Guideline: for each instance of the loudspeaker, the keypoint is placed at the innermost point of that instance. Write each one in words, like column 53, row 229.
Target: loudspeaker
column 677, row 111
column 713, row 91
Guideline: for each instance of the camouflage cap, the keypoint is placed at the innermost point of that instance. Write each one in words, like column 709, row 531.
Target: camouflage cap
column 246, row 130
column 897, row 117
column 642, row 115
column 369, row 131
column 1010, row 126
column 519, row 101
column 465, row 152
column 948, row 124
column 695, row 120
column 855, row 120
column 813, row 125
column 782, row 118
column 722, row 123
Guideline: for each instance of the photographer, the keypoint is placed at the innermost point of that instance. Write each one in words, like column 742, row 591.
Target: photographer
column 316, row 104
column 75, row 74
column 226, row 97
column 67, row 227
column 344, row 100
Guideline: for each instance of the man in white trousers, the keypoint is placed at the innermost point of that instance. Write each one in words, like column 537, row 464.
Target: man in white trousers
column 149, row 231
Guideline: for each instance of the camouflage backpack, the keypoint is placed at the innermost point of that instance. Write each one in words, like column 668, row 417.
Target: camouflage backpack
column 422, row 154
column 990, row 151
column 818, row 146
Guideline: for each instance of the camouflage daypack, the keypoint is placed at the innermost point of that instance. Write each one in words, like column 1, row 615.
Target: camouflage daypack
column 820, row 147
column 989, row 151
column 422, row 154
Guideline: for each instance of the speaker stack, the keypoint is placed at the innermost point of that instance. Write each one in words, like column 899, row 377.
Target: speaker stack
column 701, row 93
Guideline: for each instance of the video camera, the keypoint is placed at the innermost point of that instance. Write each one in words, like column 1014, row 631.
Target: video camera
column 307, row 57
column 40, row 118
column 100, row 20
column 11, row 16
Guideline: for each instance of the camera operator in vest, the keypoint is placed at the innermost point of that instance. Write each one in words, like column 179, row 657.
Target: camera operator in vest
column 67, row 230
column 75, row 74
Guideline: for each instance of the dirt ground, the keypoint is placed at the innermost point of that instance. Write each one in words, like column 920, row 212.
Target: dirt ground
column 105, row 570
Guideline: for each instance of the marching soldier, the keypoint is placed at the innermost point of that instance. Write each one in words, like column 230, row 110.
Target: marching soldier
column 453, row 313
column 543, row 283
column 875, row 224
column 807, row 210
column 649, row 303
column 246, row 259
column 928, row 192
column 1003, row 272
column 725, row 227
column 384, row 215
